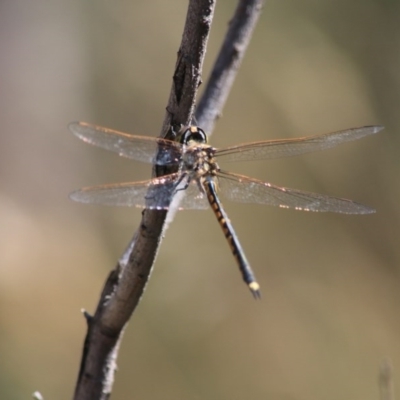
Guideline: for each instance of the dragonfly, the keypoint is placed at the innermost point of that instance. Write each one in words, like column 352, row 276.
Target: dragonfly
column 198, row 181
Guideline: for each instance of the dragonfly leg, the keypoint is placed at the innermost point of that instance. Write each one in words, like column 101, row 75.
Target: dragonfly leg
column 179, row 181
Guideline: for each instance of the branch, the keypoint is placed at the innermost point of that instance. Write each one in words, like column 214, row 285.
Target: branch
column 386, row 387
column 230, row 57
column 125, row 284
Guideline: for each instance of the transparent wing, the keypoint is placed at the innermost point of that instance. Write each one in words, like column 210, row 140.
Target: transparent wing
column 154, row 193
column 291, row 147
column 247, row 190
column 141, row 148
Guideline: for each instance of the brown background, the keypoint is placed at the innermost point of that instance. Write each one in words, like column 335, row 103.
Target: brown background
column 330, row 308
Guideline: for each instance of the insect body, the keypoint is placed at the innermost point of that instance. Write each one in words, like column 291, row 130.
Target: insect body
column 200, row 177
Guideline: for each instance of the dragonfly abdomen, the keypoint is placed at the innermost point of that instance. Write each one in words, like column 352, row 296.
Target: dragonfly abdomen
column 233, row 241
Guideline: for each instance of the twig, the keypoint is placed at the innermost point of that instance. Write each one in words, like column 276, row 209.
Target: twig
column 125, row 284
column 236, row 41
column 386, row 388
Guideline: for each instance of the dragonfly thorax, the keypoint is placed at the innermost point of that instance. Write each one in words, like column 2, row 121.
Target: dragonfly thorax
column 198, row 159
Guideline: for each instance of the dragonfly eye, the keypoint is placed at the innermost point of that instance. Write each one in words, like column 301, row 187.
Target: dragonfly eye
column 193, row 133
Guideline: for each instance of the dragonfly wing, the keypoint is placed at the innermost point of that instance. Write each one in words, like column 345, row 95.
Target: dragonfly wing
column 139, row 194
column 141, row 148
column 270, row 149
column 247, row 190
column 154, row 193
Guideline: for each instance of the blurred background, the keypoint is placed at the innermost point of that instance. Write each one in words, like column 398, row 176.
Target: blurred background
column 329, row 314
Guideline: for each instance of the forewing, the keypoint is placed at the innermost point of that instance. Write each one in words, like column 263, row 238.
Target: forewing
column 270, row 149
column 154, row 193
column 247, row 190
column 141, row 148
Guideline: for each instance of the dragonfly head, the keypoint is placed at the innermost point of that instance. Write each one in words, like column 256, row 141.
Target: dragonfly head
column 193, row 134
